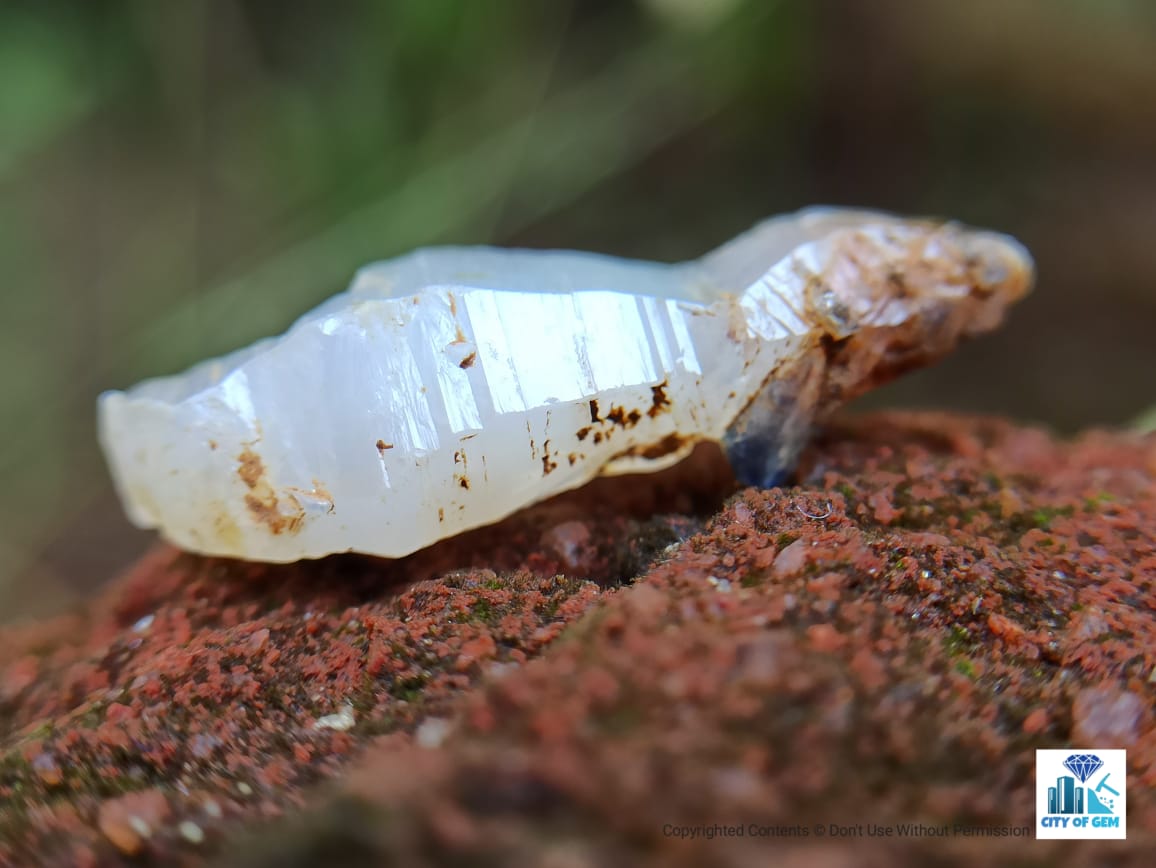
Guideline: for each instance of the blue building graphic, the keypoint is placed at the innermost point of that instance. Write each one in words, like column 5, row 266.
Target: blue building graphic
column 1065, row 797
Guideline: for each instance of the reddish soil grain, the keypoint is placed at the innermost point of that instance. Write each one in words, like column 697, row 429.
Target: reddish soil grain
column 887, row 642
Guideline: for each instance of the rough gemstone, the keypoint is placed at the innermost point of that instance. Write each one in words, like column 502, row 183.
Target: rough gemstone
column 449, row 387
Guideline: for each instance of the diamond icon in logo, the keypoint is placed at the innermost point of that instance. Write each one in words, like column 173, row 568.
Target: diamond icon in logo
column 1083, row 765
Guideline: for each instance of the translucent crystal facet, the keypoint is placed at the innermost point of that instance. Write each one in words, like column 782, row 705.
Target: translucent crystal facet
column 449, row 387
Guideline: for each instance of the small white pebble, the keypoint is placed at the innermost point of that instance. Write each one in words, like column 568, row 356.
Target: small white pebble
column 139, row 826
column 432, row 732
column 191, row 832
column 722, row 585
column 342, row 721
column 144, row 623
column 212, row 809
column 244, row 789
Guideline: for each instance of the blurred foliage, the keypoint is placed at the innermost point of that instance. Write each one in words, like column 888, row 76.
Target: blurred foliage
column 179, row 179
column 1145, row 423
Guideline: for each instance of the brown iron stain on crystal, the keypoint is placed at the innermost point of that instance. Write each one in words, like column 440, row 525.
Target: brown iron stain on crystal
column 382, row 446
column 461, row 478
column 251, row 469
column 262, row 502
column 549, row 465
column 459, row 335
column 668, row 444
column 622, row 417
column 659, row 401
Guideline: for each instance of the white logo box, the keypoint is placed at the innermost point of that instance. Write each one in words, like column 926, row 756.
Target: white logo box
column 1081, row 793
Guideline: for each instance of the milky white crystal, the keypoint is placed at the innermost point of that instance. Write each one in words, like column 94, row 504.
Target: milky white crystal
column 449, row 387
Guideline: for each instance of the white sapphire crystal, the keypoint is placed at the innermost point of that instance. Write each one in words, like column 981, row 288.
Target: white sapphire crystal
column 449, row 387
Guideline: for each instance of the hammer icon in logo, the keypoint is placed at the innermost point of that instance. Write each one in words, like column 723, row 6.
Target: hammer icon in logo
column 1103, row 785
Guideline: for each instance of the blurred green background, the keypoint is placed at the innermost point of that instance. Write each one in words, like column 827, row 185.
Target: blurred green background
column 178, row 179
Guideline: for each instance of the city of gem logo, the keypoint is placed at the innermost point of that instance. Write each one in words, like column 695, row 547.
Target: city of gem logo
column 1080, row 794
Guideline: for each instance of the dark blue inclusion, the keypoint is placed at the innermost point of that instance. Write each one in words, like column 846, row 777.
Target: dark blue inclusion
column 764, row 440
column 756, row 460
